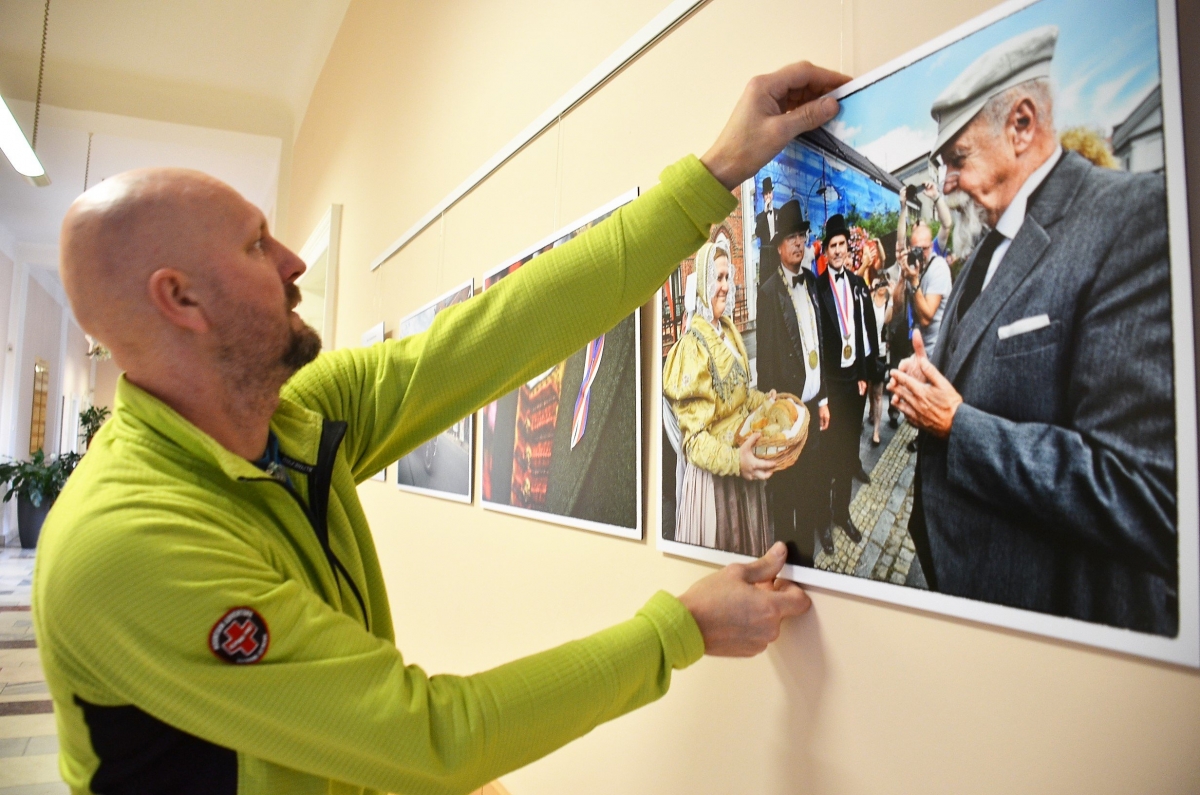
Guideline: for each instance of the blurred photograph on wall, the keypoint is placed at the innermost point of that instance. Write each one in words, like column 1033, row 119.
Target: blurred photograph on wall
column 442, row 466
column 565, row 446
column 943, row 349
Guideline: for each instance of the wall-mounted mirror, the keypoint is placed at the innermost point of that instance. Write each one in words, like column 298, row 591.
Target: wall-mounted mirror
column 41, row 405
column 318, row 284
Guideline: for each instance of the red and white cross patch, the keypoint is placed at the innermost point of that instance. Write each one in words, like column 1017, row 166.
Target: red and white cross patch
column 240, row 636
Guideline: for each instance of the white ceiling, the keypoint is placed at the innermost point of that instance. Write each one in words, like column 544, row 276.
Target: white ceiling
column 271, row 48
column 250, row 163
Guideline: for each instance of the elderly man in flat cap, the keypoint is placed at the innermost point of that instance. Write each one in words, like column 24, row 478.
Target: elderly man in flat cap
column 1046, row 471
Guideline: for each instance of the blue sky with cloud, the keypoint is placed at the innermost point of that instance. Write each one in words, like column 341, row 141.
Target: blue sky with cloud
column 1105, row 61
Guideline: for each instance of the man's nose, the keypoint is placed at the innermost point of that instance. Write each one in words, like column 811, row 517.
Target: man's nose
column 951, row 183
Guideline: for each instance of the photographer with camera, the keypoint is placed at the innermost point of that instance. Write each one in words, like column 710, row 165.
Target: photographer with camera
column 924, row 283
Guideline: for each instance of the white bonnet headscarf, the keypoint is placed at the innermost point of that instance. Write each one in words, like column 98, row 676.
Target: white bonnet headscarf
column 701, row 286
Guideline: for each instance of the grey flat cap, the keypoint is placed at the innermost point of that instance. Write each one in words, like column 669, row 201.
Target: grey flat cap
column 1021, row 58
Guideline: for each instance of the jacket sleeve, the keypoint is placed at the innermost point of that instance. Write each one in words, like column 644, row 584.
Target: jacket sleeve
column 328, row 698
column 1106, row 474
column 398, row 394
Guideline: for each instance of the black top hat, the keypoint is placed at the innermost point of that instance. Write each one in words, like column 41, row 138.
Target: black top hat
column 836, row 225
column 790, row 221
column 768, row 186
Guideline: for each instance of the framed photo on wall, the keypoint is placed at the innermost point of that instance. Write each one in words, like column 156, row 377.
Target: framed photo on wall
column 565, row 447
column 442, row 466
column 955, row 332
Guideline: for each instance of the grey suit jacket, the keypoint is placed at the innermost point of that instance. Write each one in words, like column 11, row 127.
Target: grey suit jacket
column 1055, row 490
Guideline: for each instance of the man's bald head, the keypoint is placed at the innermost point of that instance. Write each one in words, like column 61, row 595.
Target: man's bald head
column 171, row 269
column 922, row 236
column 117, row 234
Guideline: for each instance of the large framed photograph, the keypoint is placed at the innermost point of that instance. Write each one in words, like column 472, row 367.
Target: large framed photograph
column 948, row 355
column 442, row 466
column 565, row 447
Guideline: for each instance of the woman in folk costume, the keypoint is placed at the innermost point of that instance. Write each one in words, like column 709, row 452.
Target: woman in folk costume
column 721, row 500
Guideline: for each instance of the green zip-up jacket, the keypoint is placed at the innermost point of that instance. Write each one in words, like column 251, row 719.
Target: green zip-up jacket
column 207, row 627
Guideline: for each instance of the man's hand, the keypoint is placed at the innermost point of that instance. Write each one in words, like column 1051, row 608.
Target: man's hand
column 739, row 608
column 862, row 387
column 753, row 467
column 931, row 191
column 773, row 110
column 927, row 400
column 823, row 416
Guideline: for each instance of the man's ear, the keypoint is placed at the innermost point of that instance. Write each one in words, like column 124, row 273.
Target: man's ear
column 172, row 294
column 1023, row 123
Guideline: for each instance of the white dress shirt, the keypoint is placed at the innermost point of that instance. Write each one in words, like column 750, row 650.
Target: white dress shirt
column 806, row 319
column 1010, row 222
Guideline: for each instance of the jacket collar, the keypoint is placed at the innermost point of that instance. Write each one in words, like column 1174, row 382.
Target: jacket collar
column 145, row 419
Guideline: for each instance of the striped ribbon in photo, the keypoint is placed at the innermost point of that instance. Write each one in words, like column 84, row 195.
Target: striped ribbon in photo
column 591, row 365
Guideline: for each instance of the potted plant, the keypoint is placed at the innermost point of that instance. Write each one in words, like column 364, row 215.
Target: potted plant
column 36, row 484
column 90, row 420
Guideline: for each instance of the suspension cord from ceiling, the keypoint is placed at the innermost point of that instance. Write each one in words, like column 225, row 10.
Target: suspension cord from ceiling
column 87, row 166
column 37, row 106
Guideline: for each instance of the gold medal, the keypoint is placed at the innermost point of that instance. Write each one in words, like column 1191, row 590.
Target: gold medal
column 847, row 352
column 812, row 360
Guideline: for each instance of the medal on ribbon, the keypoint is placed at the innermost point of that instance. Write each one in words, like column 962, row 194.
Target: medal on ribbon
column 844, row 309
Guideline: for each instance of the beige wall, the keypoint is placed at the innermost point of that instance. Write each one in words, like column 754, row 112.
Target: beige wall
column 856, row 697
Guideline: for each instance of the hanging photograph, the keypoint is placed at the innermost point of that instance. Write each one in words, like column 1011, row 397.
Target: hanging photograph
column 943, row 349
column 565, row 446
column 441, row 467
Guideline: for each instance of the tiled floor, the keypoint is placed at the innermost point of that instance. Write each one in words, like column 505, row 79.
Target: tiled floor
column 28, row 745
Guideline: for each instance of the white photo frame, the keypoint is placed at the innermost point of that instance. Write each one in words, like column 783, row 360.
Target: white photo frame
column 1183, row 648
column 636, row 529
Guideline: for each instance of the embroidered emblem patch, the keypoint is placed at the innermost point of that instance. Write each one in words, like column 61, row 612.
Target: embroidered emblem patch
column 240, row 637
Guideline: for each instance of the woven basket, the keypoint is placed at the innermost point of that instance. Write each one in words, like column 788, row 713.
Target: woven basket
column 786, row 454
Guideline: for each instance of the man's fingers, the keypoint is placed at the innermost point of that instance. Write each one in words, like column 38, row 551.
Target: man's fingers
column 790, row 599
column 765, row 568
column 934, row 375
column 803, row 78
column 918, row 345
column 808, row 116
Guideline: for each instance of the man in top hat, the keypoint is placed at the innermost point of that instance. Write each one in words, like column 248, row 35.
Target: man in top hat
column 789, row 360
column 848, row 336
column 766, row 227
column 1046, row 472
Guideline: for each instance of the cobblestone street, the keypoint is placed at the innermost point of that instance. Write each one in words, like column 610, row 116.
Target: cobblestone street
column 881, row 511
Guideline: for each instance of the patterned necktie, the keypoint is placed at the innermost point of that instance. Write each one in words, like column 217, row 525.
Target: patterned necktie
column 979, row 268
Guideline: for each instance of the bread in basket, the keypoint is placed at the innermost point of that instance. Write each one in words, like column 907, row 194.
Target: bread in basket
column 783, row 425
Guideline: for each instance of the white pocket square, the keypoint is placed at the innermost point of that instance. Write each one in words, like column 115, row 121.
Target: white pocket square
column 1023, row 326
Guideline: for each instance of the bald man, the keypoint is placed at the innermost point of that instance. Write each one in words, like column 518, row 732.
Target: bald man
column 208, row 602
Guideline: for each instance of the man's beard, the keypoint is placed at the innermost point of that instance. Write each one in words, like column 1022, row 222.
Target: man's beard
column 970, row 219
column 257, row 358
column 305, row 343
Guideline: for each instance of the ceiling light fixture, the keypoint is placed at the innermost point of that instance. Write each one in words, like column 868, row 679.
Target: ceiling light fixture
column 18, row 150
column 12, row 139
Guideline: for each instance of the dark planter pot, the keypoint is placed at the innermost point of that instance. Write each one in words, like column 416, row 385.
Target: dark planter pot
column 29, row 520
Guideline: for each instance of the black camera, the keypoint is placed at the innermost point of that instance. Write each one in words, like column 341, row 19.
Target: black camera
column 915, row 257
